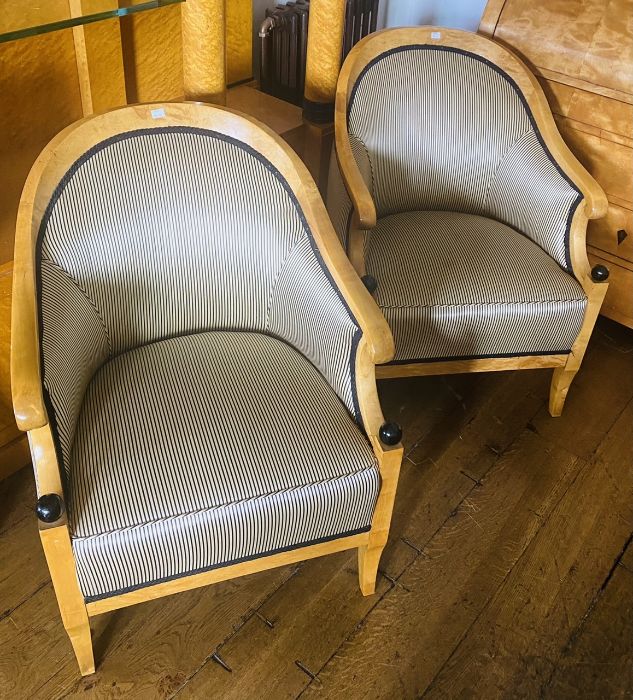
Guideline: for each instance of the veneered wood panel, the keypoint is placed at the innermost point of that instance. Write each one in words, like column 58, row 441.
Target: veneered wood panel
column 611, row 117
column 40, row 96
column 239, row 41
column 99, row 59
column 610, row 56
column 152, row 52
column 585, row 39
column 614, row 233
column 607, row 161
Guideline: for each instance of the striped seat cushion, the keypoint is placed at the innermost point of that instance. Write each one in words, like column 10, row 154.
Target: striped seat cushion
column 459, row 285
column 207, row 449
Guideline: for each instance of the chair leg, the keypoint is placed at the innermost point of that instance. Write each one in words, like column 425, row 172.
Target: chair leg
column 81, row 640
column 72, row 607
column 368, row 560
column 561, row 380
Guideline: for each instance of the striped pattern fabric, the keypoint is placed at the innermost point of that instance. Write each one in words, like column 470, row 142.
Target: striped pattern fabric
column 459, row 285
column 163, row 232
column 446, row 130
column 338, row 203
column 208, row 449
column 198, row 362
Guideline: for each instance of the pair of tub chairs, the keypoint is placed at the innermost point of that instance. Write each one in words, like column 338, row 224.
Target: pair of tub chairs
column 194, row 355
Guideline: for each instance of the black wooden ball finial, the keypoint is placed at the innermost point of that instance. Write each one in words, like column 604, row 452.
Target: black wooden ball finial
column 599, row 273
column 49, row 508
column 390, row 433
column 370, row 282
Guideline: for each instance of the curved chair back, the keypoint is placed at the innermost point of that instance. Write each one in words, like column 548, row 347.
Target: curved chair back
column 155, row 221
column 168, row 230
column 444, row 123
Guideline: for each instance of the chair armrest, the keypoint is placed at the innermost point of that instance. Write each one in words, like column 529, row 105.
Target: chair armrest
column 356, row 184
column 375, row 328
column 26, row 388
column 320, row 306
column 595, row 200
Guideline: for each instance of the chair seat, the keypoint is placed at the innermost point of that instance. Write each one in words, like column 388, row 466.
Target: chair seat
column 455, row 285
column 208, row 449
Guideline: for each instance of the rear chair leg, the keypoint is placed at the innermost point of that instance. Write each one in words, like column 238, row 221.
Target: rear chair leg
column 558, row 391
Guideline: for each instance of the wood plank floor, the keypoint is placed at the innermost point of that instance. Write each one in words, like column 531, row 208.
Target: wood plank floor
column 508, row 574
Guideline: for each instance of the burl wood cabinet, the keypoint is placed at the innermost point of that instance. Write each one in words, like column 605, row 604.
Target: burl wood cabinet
column 582, row 53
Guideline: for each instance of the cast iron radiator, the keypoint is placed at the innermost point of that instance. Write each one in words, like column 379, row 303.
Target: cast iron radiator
column 284, row 40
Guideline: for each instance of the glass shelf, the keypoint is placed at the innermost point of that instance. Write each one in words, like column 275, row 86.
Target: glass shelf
column 24, row 18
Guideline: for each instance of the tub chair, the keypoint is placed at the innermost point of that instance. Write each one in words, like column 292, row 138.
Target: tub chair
column 462, row 208
column 193, row 359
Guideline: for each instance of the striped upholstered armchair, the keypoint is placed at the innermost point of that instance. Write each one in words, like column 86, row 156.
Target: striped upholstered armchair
column 193, row 357
column 466, row 213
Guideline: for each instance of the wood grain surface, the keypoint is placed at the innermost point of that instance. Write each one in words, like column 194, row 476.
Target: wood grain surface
column 507, row 572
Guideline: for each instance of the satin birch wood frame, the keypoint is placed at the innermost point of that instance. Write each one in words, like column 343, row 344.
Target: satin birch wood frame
column 593, row 205
column 375, row 346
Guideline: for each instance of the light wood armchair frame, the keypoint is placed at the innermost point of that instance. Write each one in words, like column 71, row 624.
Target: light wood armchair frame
column 376, row 346
column 593, row 205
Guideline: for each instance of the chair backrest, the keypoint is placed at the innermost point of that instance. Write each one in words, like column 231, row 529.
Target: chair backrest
column 445, row 128
column 157, row 221
column 168, row 231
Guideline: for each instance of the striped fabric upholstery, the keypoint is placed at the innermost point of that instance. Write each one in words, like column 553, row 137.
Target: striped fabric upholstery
column 445, row 130
column 209, row 449
column 163, row 232
column 459, row 285
column 198, row 363
column 339, row 205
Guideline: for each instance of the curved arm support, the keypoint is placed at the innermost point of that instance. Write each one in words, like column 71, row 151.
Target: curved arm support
column 355, row 183
column 26, row 389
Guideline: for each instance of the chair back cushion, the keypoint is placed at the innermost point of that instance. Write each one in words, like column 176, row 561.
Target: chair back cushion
column 447, row 130
column 172, row 231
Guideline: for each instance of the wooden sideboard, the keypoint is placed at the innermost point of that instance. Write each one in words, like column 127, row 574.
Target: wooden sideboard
column 582, row 53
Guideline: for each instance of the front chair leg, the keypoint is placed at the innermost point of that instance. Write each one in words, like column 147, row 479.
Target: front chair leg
column 81, row 640
column 389, row 453
column 561, row 380
column 368, row 560
column 61, row 564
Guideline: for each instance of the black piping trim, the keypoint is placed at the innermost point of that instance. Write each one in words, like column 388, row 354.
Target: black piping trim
column 252, row 557
column 455, row 358
column 520, row 95
column 61, row 186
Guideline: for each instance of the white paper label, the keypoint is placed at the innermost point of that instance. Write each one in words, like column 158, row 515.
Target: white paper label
column 436, row 35
column 158, row 113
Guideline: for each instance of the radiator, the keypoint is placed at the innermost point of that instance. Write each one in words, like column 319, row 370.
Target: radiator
column 284, row 40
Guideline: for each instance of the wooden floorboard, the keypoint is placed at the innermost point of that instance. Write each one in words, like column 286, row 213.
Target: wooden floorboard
column 598, row 663
column 414, row 629
column 515, row 645
column 508, row 573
